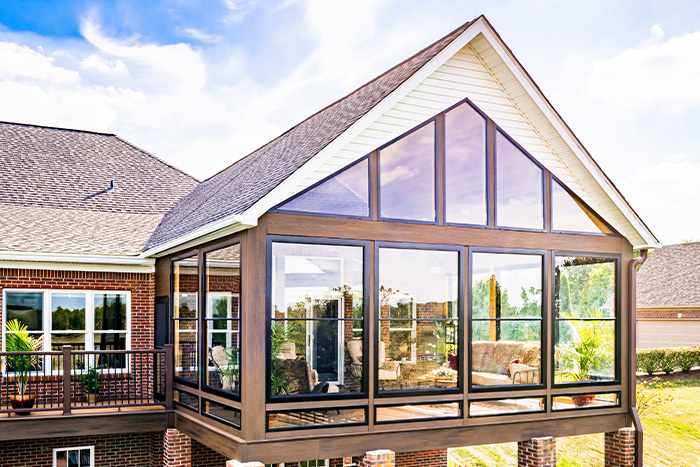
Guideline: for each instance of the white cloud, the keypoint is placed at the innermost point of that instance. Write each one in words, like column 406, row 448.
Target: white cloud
column 201, row 36
column 665, row 194
column 21, row 62
column 652, row 74
column 108, row 67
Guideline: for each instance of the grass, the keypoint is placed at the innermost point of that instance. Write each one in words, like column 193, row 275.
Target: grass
column 671, row 438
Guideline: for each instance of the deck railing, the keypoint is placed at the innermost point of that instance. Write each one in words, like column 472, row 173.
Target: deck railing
column 70, row 380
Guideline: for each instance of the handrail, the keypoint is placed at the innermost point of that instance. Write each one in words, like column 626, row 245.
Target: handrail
column 68, row 380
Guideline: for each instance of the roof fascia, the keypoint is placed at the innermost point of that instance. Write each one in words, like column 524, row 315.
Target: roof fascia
column 221, row 228
column 281, row 191
column 571, row 140
column 75, row 262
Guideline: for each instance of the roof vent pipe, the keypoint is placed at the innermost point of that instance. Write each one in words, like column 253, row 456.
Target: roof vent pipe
column 111, row 185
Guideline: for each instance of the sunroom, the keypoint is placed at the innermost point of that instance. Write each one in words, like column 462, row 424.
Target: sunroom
column 440, row 281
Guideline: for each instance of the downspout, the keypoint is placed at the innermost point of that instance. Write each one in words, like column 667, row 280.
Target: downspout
column 632, row 299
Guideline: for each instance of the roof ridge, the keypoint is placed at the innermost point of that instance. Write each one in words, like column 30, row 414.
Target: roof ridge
column 2, row 122
column 463, row 26
column 156, row 158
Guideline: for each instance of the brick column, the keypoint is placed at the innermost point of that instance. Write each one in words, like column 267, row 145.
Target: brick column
column 177, row 449
column 378, row 458
column 619, row 448
column 537, row 452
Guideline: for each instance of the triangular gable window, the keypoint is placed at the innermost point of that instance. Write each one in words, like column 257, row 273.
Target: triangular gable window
column 519, row 187
column 570, row 215
column 346, row 194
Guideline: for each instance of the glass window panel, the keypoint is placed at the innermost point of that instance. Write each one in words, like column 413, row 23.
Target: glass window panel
column 186, row 399
column 407, row 177
column 512, row 357
column 465, row 166
column 322, row 287
column 581, row 401
column 110, row 311
column 223, row 267
column 27, row 307
column 185, row 287
column 73, row 458
column 58, row 340
column 227, row 414
column 418, row 412
column 418, row 294
column 346, row 194
column 61, row 459
column 585, row 351
column 519, row 199
column 311, row 418
column 186, row 349
column 506, row 285
column 568, row 215
column 584, row 287
column 505, row 406
column 68, row 311
column 85, row 460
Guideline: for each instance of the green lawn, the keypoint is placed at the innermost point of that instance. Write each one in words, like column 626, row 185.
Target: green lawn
column 671, row 437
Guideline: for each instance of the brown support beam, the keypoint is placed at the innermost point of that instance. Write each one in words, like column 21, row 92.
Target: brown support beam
column 66, row 379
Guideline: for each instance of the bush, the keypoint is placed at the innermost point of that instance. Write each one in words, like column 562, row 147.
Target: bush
column 668, row 360
column 651, row 395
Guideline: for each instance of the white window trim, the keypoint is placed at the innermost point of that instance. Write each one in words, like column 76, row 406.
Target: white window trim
column 78, row 448
column 89, row 317
column 414, row 324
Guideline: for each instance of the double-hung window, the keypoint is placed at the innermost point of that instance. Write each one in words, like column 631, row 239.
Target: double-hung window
column 85, row 320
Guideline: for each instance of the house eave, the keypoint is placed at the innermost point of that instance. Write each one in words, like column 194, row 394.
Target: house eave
column 75, row 262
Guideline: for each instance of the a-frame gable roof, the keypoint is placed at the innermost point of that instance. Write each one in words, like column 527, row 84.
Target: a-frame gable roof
column 473, row 62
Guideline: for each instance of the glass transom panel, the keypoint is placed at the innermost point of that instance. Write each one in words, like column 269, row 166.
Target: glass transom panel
column 568, row 215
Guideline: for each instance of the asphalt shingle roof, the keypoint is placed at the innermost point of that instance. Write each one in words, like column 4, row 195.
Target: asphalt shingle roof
column 236, row 188
column 53, row 198
column 670, row 277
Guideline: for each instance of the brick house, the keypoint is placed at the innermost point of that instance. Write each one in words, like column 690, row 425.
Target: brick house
column 668, row 298
column 410, row 269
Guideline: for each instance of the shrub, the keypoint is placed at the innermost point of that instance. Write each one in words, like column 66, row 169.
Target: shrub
column 669, row 360
column 687, row 358
column 649, row 360
column 653, row 394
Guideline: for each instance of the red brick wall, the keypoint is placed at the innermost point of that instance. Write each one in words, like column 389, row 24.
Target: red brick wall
column 620, row 448
column 202, row 456
column 141, row 286
column 431, row 458
column 538, row 452
column 123, row 450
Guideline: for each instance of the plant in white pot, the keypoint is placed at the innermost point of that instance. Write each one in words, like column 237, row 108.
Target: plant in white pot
column 19, row 367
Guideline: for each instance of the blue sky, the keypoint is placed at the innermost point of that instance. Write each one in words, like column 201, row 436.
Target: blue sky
column 202, row 83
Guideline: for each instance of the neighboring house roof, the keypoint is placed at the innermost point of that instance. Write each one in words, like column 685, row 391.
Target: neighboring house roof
column 670, row 277
column 471, row 61
column 54, row 193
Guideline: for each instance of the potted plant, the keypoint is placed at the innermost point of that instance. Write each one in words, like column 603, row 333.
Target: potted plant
column 591, row 348
column 19, row 367
column 279, row 336
column 91, row 384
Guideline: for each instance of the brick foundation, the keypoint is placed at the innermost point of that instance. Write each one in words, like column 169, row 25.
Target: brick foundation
column 378, row 458
column 620, row 448
column 537, row 452
column 177, row 449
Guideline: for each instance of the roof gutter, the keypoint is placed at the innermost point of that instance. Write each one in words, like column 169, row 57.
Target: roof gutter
column 75, row 261
column 632, row 299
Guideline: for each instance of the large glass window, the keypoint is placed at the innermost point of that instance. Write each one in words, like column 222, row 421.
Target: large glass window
column 465, row 166
column 570, row 215
column 223, row 318
column 407, row 177
column 519, row 198
column 316, row 319
column 185, row 299
column 506, row 319
column 418, row 319
column 85, row 320
column 585, row 310
column 346, row 194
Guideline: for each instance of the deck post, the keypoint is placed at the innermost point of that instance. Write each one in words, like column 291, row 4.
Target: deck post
column 67, row 360
column 169, row 372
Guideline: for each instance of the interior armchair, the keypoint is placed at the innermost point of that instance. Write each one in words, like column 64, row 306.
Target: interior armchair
column 389, row 370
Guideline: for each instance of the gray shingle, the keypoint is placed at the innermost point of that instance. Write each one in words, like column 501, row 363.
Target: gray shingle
column 670, row 277
column 51, row 191
column 236, row 188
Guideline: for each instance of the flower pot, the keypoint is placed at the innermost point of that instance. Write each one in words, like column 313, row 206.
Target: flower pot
column 91, row 398
column 19, row 401
column 583, row 400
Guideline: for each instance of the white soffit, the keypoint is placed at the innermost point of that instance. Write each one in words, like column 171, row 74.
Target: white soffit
column 478, row 66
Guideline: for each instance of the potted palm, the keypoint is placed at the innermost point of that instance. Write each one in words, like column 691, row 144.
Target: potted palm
column 91, row 384
column 590, row 350
column 19, row 367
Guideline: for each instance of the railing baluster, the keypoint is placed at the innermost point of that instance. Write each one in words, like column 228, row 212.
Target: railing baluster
column 67, row 357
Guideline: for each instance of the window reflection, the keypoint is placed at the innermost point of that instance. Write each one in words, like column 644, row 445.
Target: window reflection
column 418, row 336
column 317, row 315
column 465, row 166
column 585, row 304
column 185, row 298
column 570, row 216
column 223, row 268
column 407, row 177
column 519, row 199
column 506, row 319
